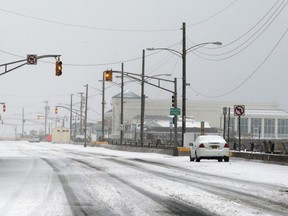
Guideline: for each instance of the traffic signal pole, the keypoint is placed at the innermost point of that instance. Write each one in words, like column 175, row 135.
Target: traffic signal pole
column 103, row 104
column 175, row 120
column 26, row 61
column 122, row 102
column 142, row 101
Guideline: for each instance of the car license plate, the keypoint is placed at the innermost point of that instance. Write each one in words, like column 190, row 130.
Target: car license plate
column 214, row 146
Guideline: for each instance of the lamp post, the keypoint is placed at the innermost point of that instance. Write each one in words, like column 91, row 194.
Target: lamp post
column 183, row 56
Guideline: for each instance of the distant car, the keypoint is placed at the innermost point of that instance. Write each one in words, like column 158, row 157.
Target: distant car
column 34, row 139
column 209, row 147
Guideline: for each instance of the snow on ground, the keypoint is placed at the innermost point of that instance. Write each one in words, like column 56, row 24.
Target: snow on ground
column 238, row 173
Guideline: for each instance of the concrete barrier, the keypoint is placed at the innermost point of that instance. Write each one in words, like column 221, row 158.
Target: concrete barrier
column 184, row 151
column 134, row 149
column 261, row 156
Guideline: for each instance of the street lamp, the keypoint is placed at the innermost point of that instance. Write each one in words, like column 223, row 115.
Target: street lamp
column 183, row 56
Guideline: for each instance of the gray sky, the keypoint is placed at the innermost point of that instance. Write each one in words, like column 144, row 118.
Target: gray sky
column 94, row 35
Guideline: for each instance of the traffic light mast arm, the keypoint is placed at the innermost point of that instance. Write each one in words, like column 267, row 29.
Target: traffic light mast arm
column 73, row 110
column 23, row 60
column 152, row 84
column 132, row 76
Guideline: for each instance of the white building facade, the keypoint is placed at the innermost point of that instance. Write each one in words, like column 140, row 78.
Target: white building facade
column 261, row 120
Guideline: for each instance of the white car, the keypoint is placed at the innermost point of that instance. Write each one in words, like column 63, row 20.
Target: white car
column 34, row 139
column 209, row 147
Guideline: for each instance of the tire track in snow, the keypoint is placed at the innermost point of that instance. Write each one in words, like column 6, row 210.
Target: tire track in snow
column 77, row 208
column 228, row 193
column 173, row 206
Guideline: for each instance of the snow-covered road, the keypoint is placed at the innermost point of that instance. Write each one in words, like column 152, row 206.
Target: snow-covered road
column 62, row 179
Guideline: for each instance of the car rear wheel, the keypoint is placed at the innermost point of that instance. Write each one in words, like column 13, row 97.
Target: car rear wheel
column 226, row 159
column 191, row 159
column 197, row 159
column 219, row 159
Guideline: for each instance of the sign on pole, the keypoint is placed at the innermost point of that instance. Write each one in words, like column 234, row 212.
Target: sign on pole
column 202, row 128
column 175, row 111
column 32, row 59
column 239, row 110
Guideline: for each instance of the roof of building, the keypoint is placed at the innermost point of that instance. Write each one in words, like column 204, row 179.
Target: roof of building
column 127, row 94
column 264, row 112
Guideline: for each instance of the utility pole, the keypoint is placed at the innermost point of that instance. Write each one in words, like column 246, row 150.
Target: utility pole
column 81, row 115
column 183, row 55
column 103, row 105
column 183, row 82
column 46, row 114
column 71, row 117
column 121, row 118
column 142, row 100
column 228, row 132
column 224, row 123
column 85, row 122
column 175, row 121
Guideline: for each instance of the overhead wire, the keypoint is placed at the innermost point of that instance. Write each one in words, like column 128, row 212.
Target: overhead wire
column 214, row 15
column 86, row 26
column 249, row 77
column 113, row 29
column 246, row 42
column 252, row 28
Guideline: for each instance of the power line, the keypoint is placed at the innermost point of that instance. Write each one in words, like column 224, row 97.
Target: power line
column 197, row 52
column 254, row 72
column 214, row 15
column 253, row 27
column 86, row 26
column 113, row 29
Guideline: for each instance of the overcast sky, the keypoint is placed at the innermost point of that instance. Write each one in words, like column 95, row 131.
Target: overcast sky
column 92, row 36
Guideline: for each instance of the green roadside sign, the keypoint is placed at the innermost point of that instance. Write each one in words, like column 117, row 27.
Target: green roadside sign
column 175, row 111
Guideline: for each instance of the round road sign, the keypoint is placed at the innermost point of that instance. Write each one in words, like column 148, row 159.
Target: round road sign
column 239, row 110
column 32, row 59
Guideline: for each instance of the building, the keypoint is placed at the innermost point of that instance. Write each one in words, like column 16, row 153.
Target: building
column 261, row 120
column 61, row 135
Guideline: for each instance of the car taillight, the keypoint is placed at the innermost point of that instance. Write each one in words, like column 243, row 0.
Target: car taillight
column 226, row 145
column 201, row 145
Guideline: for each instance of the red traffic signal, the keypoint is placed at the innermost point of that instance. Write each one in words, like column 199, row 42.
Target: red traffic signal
column 4, row 107
column 58, row 68
column 108, row 75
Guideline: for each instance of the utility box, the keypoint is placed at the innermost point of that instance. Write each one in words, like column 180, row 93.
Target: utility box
column 189, row 138
column 61, row 135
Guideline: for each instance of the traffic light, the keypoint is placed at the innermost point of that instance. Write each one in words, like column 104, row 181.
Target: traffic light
column 173, row 100
column 58, row 68
column 108, row 75
column 4, row 107
column 56, row 110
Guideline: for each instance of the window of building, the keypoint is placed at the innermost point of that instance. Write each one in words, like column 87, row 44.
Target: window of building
column 244, row 126
column 256, row 126
column 231, row 124
column 282, row 128
column 269, row 128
